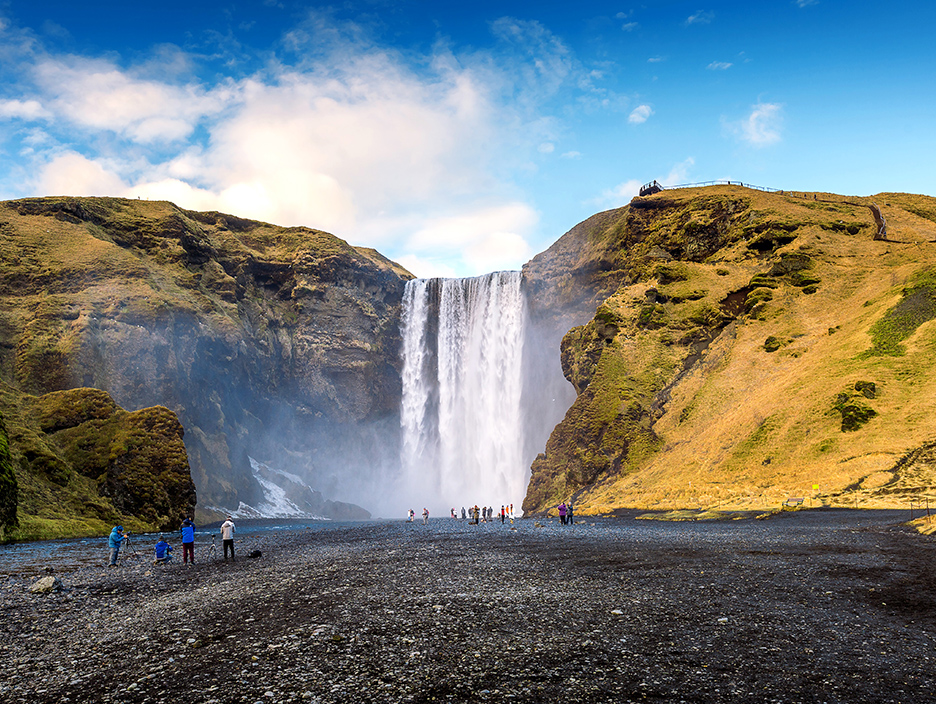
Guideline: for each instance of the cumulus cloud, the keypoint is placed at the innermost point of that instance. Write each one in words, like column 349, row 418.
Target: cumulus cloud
column 23, row 109
column 761, row 127
column 412, row 154
column 640, row 114
column 98, row 95
column 71, row 174
column 629, row 26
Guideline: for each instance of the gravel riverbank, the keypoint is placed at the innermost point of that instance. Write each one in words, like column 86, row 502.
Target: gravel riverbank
column 815, row 606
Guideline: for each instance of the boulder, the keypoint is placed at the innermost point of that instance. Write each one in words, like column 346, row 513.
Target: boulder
column 46, row 585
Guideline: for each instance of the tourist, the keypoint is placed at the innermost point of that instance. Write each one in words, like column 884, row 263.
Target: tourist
column 410, row 516
column 453, row 512
column 503, row 514
column 113, row 542
column 162, row 552
column 463, row 513
column 425, row 516
column 569, row 514
column 227, row 537
column 562, row 513
column 188, row 541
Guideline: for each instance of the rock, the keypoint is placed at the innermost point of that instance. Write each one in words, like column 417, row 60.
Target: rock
column 46, row 585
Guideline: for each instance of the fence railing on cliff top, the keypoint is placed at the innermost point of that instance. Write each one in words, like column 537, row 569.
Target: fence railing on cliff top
column 648, row 189
column 656, row 187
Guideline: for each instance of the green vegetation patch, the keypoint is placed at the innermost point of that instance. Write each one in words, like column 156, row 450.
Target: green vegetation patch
column 917, row 306
column 774, row 343
column 852, row 406
column 695, row 515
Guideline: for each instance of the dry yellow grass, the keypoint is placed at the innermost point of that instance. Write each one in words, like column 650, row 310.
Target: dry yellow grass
column 747, row 428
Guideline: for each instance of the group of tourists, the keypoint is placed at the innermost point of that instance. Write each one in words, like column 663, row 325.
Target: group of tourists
column 485, row 514
column 162, row 551
column 477, row 514
column 566, row 513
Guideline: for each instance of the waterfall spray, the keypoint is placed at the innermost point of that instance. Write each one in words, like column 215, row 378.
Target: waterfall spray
column 462, row 382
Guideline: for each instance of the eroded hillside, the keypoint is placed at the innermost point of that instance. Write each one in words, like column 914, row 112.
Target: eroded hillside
column 751, row 346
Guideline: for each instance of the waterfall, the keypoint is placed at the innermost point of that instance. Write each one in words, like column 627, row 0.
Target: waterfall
column 461, row 414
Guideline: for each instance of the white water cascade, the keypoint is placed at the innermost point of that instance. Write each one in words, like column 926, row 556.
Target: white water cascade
column 462, row 381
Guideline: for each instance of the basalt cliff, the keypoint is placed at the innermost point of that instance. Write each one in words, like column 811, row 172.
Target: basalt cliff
column 262, row 342
column 743, row 348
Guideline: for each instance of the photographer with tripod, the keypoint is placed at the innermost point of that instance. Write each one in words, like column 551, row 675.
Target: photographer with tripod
column 116, row 537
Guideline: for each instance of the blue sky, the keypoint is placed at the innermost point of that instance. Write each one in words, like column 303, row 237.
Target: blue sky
column 459, row 138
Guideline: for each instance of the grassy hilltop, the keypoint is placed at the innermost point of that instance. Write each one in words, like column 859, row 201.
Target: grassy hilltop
column 747, row 347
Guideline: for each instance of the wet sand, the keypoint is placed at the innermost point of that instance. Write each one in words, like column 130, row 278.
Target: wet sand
column 813, row 606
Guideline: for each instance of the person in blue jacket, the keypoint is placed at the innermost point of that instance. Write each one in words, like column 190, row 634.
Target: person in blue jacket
column 163, row 551
column 113, row 542
column 188, row 541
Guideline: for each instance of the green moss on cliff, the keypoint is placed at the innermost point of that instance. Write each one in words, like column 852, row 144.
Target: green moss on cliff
column 916, row 306
column 84, row 464
column 9, row 489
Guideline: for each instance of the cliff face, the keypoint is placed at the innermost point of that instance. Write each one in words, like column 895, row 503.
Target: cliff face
column 745, row 347
column 277, row 342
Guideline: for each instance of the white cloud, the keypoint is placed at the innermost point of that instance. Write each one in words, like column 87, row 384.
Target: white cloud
column 640, row 114
column 655, row 59
column 491, row 237
column 622, row 193
column 71, row 174
column 719, row 66
column 412, row 154
column 426, row 268
column 23, row 109
column 700, row 17
column 571, row 155
column 762, row 127
column 805, row 3
column 98, row 95
column 630, row 26
column 617, row 196
column 679, row 173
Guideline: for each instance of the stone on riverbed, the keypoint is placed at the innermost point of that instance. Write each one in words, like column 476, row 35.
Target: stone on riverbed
column 46, row 585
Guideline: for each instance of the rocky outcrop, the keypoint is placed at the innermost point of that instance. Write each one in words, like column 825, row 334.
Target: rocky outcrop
column 271, row 342
column 733, row 343
column 87, row 464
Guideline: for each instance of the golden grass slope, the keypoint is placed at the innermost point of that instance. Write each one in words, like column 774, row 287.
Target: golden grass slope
column 792, row 354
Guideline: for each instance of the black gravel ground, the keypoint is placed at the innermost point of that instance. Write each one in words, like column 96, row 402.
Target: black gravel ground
column 812, row 606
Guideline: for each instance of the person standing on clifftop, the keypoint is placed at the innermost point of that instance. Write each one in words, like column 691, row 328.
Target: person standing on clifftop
column 113, row 542
column 188, row 541
column 227, row 537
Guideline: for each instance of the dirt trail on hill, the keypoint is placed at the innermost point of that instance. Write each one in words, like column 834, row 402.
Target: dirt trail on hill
column 812, row 606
